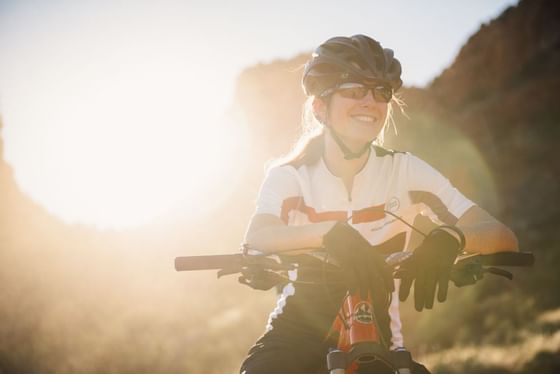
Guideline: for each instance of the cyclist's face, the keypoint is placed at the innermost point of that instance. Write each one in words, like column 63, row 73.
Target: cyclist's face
column 356, row 120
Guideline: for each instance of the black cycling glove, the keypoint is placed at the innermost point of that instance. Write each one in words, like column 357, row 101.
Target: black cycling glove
column 363, row 268
column 430, row 267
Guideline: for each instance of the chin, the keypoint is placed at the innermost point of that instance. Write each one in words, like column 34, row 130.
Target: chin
column 365, row 137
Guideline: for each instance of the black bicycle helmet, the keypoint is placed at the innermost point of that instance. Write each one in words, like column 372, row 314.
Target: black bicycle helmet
column 358, row 58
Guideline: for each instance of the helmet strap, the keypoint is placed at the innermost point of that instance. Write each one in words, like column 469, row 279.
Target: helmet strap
column 348, row 153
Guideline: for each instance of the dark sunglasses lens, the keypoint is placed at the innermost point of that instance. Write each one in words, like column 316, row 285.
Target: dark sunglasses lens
column 354, row 92
column 382, row 93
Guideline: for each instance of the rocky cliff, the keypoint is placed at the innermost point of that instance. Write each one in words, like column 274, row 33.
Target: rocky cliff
column 503, row 92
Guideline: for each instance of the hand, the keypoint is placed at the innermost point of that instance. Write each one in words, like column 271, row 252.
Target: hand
column 430, row 267
column 259, row 272
column 260, row 279
column 364, row 269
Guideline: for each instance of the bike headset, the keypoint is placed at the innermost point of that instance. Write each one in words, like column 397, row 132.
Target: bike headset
column 355, row 59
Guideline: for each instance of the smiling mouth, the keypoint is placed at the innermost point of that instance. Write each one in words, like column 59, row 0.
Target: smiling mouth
column 365, row 118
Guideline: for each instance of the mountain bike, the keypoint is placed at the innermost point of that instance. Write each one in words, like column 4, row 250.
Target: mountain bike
column 360, row 348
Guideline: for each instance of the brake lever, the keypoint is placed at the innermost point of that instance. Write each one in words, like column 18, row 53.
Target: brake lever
column 228, row 271
column 253, row 264
column 467, row 274
column 498, row 271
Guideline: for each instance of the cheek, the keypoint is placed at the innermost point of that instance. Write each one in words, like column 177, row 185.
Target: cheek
column 338, row 113
column 336, row 120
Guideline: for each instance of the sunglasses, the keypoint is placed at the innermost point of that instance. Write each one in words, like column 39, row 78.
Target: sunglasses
column 381, row 93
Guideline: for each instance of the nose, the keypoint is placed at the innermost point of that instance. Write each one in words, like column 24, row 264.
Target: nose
column 369, row 99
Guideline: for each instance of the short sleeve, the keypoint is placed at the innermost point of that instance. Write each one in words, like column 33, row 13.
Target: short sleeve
column 279, row 186
column 435, row 195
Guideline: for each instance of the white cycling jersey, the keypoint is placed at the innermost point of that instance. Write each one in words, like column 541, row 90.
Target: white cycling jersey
column 397, row 182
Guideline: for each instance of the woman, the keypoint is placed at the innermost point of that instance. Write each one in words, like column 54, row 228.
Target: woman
column 341, row 192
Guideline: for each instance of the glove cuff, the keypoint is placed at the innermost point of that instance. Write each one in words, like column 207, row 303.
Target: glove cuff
column 455, row 229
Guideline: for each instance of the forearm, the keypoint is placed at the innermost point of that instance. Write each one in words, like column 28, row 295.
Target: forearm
column 486, row 237
column 485, row 234
column 273, row 236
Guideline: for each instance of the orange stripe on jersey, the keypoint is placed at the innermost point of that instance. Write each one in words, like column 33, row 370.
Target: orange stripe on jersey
column 296, row 203
column 370, row 214
column 373, row 213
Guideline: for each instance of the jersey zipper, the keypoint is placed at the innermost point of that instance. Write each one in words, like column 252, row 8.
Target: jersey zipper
column 349, row 213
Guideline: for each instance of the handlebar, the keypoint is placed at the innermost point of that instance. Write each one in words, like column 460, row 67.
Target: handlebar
column 209, row 262
column 503, row 259
column 215, row 262
column 468, row 269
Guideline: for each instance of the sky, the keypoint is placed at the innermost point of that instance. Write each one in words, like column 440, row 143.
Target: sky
column 86, row 87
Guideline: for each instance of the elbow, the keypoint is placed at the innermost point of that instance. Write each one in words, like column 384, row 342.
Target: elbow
column 251, row 240
column 256, row 241
column 509, row 240
column 262, row 233
column 505, row 239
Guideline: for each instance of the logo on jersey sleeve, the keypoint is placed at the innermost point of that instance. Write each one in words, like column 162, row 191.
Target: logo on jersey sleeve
column 393, row 204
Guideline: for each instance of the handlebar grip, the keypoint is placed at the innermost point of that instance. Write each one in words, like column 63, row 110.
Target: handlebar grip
column 211, row 262
column 508, row 259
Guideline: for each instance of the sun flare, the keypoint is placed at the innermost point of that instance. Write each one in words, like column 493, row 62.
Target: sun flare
column 119, row 137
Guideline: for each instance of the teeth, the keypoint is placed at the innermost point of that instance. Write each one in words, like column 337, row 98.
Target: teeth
column 365, row 118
